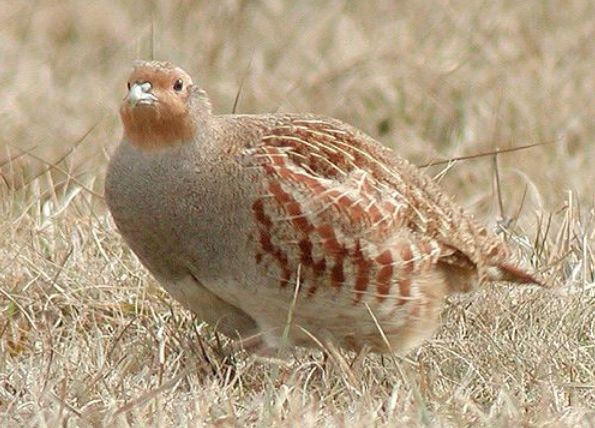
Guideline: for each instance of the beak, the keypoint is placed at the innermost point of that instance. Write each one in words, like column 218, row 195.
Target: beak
column 140, row 93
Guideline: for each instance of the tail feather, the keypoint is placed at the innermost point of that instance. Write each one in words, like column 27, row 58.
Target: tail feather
column 512, row 273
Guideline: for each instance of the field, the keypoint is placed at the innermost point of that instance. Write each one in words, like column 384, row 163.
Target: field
column 88, row 338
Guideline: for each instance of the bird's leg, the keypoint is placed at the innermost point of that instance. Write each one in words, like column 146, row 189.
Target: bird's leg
column 357, row 362
column 257, row 345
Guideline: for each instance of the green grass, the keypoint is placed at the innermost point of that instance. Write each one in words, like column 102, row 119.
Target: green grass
column 87, row 337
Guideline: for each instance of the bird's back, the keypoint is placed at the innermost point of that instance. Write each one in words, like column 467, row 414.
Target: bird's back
column 369, row 241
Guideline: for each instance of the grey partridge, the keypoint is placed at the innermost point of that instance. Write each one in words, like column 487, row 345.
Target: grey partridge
column 246, row 218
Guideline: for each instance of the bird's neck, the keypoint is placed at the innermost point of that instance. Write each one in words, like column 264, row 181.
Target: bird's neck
column 151, row 131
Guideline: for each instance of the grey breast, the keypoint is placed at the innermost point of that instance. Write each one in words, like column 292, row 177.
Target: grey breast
column 174, row 210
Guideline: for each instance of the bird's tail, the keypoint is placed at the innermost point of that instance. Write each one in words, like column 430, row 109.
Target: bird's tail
column 513, row 273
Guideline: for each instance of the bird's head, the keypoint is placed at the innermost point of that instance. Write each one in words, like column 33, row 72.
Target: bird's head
column 158, row 108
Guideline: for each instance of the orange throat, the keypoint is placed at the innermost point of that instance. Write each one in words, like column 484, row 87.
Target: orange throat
column 150, row 128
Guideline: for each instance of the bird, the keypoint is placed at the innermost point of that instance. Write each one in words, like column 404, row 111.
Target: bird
column 289, row 229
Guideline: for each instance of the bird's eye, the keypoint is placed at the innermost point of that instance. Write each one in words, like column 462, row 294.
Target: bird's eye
column 128, row 85
column 178, row 85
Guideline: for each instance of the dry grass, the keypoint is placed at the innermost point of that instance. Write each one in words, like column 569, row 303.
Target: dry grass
column 88, row 338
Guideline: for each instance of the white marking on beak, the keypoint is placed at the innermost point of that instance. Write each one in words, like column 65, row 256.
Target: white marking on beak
column 140, row 93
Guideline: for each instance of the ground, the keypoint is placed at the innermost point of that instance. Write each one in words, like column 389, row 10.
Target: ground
column 87, row 337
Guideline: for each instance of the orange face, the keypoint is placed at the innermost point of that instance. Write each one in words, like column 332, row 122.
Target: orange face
column 155, row 110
